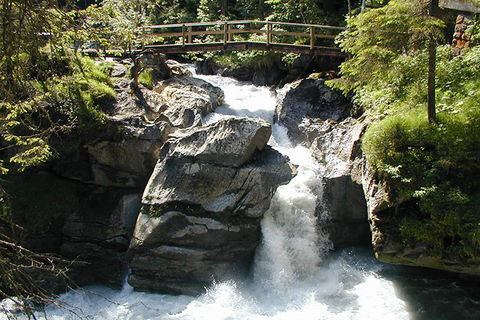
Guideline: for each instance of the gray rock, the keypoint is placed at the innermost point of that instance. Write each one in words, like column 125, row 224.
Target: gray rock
column 78, row 221
column 119, row 70
column 337, row 148
column 177, row 69
column 202, row 206
column 180, row 101
column 207, row 66
column 124, row 151
column 208, row 172
column 152, row 62
column 229, row 142
column 310, row 111
column 310, row 99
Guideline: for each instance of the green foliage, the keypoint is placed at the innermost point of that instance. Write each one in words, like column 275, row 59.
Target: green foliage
column 109, row 25
column 172, row 11
column 21, row 39
column 434, row 166
column 387, row 49
column 80, row 96
column 305, row 11
column 211, row 10
column 59, row 104
column 146, row 78
column 438, row 167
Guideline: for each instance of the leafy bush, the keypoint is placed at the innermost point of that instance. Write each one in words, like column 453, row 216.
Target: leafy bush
column 58, row 104
column 146, row 78
column 81, row 95
column 437, row 166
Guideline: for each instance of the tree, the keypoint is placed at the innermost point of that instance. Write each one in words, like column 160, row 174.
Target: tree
column 304, row 11
column 380, row 43
column 42, row 84
column 431, row 6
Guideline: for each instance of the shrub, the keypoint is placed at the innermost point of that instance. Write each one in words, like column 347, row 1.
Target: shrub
column 437, row 166
column 146, row 78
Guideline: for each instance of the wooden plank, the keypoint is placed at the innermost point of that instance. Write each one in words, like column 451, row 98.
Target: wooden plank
column 269, row 34
column 320, row 26
column 312, row 38
column 230, row 35
column 236, row 22
column 225, row 33
column 228, row 29
column 247, row 45
column 183, row 35
column 190, row 35
column 206, row 32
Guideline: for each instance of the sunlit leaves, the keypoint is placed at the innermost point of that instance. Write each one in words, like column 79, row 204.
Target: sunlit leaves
column 387, row 48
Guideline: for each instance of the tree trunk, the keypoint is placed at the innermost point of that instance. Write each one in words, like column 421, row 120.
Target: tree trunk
column 224, row 6
column 432, row 61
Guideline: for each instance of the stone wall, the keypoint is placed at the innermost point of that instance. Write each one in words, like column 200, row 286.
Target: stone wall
column 461, row 38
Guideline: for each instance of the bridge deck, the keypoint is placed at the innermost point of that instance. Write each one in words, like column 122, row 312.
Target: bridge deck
column 245, row 45
column 237, row 35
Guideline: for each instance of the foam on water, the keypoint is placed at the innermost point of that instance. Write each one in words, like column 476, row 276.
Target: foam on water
column 294, row 277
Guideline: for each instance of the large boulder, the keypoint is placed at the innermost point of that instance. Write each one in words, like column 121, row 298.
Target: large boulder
column 309, row 99
column 181, row 101
column 202, row 206
column 337, row 148
column 315, row 115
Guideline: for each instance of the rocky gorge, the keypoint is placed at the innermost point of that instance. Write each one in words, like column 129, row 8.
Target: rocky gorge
column 180, row 202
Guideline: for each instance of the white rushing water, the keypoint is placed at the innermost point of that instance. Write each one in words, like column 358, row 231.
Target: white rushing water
column 294, row 276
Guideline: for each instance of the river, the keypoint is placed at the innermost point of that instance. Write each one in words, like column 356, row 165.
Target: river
column 295, row 275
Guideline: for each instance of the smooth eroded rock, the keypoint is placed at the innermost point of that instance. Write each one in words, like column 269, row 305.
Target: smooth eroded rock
column 202, row 207
column 310, row 99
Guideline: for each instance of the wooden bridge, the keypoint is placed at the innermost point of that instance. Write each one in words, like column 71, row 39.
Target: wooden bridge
column 241, row 35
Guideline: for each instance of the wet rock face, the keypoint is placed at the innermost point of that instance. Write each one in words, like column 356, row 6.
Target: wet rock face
column 337, row 148
column 306, row 100
column 90, row 196
column 124, row 151
column 77, row 221
column 202, row 206
column 389, row 246
column 315, row 115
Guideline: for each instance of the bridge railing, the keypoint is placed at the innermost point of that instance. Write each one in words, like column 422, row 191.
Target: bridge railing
column 268, row 32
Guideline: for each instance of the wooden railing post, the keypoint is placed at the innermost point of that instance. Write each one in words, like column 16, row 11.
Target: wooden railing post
column 225, row 33
column 312, row 38
column 269, row 34
column 230, row 35
column 190, row 37
column 183, row 35
column 283, row 35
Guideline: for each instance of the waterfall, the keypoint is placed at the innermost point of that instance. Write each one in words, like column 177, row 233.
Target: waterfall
column 295, row 275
